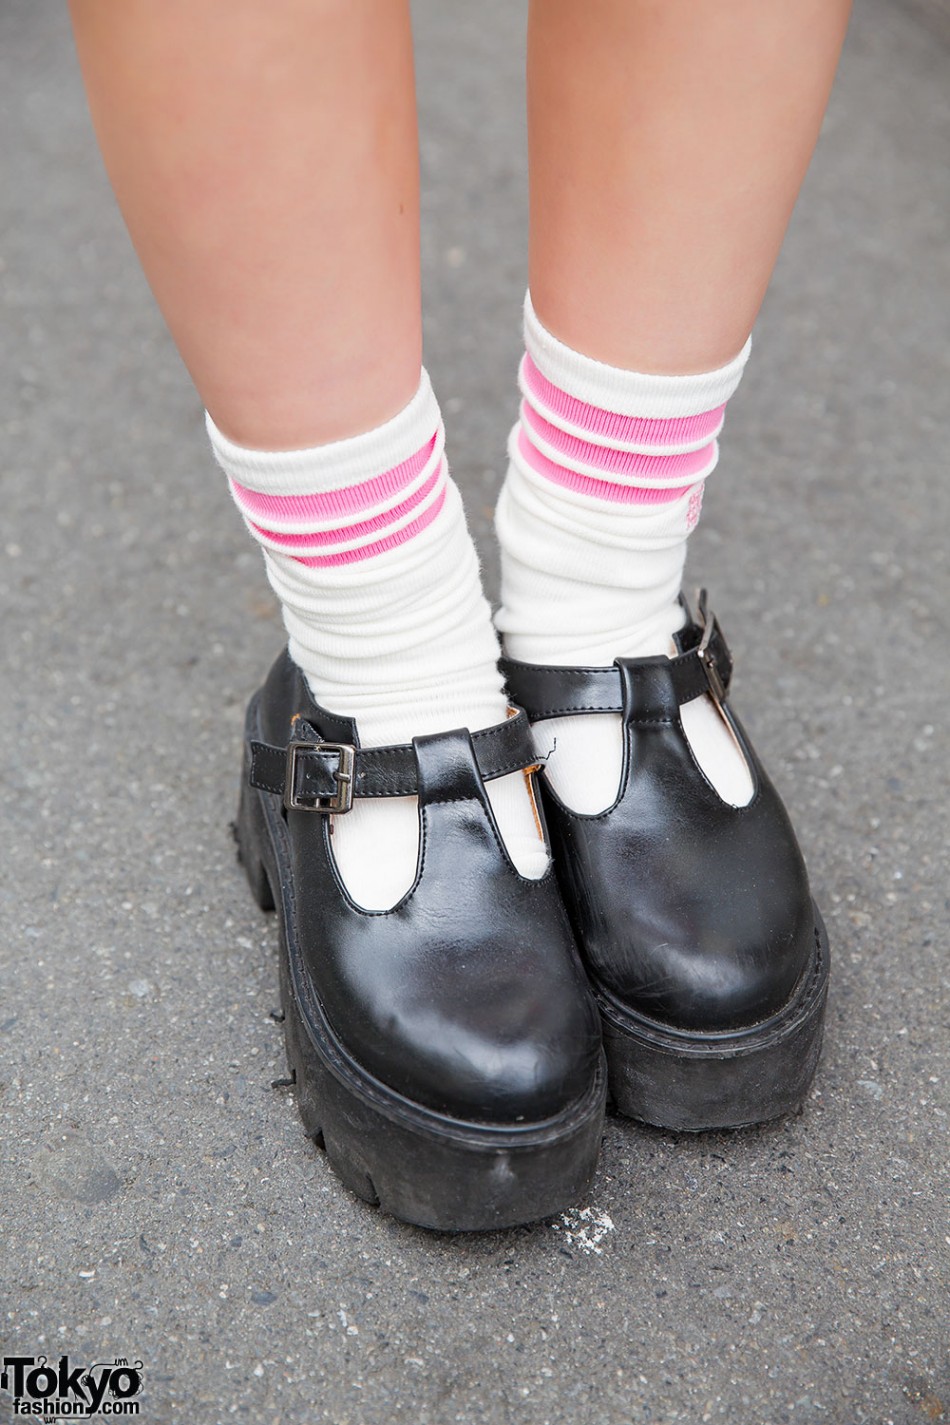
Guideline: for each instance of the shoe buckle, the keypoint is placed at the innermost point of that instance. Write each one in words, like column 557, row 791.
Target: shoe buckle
column 707, row 657
column 342, row 799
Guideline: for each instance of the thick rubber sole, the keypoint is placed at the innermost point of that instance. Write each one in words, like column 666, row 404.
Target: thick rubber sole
column 420, row 1166
column 692, row 1082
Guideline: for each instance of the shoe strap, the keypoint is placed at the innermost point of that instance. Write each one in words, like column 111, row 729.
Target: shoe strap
column 704, row 665
column 312, row 774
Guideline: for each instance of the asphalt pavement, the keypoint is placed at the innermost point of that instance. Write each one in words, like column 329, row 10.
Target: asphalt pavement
column 160, row 1200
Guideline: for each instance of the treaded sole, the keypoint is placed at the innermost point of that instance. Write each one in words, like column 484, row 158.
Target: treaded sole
column 692, row 1082
column 420, row 1166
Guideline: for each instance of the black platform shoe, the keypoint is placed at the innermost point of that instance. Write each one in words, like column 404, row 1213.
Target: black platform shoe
column 705, row 950
column 447, row 1052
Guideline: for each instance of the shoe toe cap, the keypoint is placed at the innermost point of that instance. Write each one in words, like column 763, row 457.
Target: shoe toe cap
column 501, row 1052
column 719, row 977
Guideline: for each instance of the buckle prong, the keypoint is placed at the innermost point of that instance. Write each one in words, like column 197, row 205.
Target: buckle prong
column 342, row 799
column 707, row 657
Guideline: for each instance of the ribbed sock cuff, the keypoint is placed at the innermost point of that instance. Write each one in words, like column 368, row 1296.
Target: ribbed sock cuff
column 628, row 393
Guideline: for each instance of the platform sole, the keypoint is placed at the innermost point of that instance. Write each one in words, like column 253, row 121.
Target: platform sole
column 691, row 1082
column 421, row 1166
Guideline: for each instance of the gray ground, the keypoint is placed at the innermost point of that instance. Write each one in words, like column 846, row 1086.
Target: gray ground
column 160, row 1198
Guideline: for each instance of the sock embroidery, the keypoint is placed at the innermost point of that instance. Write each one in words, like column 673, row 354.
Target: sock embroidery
column 694, row 509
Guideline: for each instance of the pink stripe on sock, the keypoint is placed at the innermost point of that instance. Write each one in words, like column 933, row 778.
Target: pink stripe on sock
column 587, row 485
column 346, row 532
column 677, row 430
column 366, row 551
column 346, row 501
column 617, row 462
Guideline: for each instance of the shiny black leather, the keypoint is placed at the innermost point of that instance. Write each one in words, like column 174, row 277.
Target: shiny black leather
column 468, row 997
column 690, row 911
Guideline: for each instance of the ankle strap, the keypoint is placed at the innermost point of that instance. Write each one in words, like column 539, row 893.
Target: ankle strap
column 703, row 666
column 311, row 774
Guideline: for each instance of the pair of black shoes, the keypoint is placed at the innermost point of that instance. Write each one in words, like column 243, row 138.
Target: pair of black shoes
column 454, row 1054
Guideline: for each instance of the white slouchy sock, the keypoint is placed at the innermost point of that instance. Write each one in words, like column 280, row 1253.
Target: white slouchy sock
column 366, row 546
column 604, row 485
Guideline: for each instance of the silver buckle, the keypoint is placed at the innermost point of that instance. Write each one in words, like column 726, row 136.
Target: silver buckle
column 717, row 687
column 342, row 799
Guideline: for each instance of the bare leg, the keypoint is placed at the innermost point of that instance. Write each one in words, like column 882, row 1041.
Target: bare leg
column 668, row 141
column 265, row 160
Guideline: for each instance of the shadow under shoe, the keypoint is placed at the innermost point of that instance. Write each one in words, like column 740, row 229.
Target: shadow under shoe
column 705, row 950
column 446, row 1051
